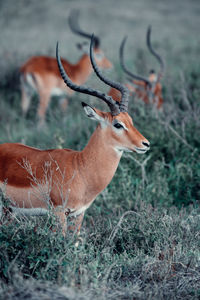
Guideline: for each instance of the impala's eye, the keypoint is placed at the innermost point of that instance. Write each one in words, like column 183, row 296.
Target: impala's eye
column 118, row 126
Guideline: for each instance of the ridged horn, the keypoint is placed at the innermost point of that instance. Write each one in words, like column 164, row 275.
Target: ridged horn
column 154, row 53
column 75, row 27
column 128, row 72
column 123, row 105
column 114, row 108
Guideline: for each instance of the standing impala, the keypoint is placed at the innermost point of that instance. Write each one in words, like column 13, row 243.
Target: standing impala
column 70, row 180
column 40, row 74
column 148, row 89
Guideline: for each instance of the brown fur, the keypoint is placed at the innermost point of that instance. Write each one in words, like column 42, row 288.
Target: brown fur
column 141, row 92
column 46, row 77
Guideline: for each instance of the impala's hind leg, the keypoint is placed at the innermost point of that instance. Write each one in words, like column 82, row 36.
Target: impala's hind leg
column 27, row 92
column 75, row 228
column 25, row 102
column 44, row 99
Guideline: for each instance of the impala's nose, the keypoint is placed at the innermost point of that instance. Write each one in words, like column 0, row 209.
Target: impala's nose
column 145, row 148
column 146, row 144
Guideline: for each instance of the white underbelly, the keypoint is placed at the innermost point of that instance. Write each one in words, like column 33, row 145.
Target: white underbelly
column 27, row 197
column 38, row 211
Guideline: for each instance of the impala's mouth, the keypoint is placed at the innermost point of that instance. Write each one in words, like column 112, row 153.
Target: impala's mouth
column 134, row 149
column 141, row 150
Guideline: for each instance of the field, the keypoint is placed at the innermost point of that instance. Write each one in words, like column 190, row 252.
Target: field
column 140, row 239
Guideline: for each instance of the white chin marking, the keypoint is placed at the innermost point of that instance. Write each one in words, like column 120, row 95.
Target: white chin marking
column 140, row 151
column 120, row 151
column 123, row 149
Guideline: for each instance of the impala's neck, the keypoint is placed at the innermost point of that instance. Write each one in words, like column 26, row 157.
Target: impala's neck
column 83, row 70
column 100, row 160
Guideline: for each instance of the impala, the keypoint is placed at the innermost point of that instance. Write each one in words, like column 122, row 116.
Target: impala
column 40, row 74
column 70, row 180
column 148, row 89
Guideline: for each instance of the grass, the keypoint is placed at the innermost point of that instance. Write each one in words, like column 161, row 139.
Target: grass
column 140, row 238
column 146, row 253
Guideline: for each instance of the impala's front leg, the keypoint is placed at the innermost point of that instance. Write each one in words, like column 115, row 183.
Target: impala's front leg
column 76, row 224
column 25, row 102
column 63, row 220
column 44, row 99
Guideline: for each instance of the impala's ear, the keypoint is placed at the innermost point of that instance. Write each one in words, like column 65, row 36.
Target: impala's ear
column 91, row 113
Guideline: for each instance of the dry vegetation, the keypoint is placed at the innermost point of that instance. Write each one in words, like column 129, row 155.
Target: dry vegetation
column 140, row 238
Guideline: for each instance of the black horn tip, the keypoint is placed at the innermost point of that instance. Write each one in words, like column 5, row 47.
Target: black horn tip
column 123, row 41
column 148, row 31
column 57, row 48
column 91, row 43
column 121, row 49
column 149, row 28
column 125, row 38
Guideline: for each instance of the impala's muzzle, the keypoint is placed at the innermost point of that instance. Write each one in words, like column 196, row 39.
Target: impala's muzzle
column 146, row 144
column 145, row 148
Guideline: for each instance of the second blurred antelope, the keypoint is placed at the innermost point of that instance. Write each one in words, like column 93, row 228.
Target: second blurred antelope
column 40, row 74
column 148, row 89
